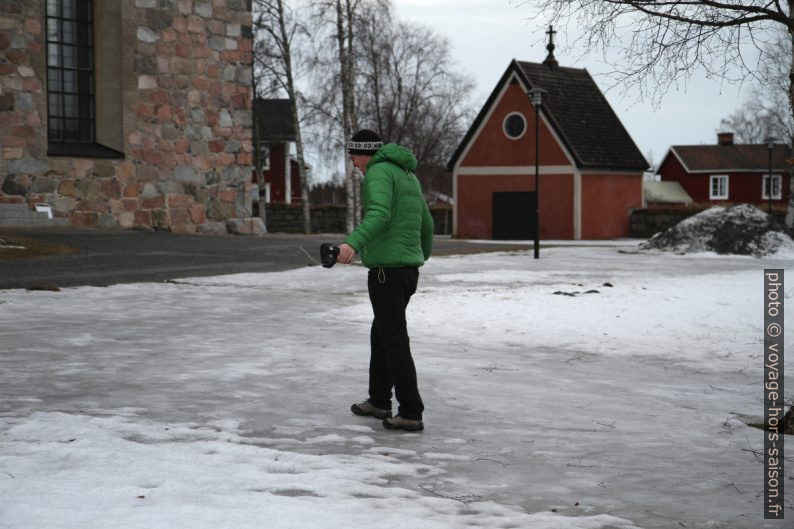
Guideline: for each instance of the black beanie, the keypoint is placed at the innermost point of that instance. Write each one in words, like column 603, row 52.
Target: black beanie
column 365, row 142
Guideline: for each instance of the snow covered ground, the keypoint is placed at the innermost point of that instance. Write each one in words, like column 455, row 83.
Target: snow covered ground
column 224, row 401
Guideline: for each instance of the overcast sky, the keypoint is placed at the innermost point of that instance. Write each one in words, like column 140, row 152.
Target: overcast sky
column 487, row 34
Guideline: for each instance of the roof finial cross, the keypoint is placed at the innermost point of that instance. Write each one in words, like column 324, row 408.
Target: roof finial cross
column 551, row 34
column 550, row 61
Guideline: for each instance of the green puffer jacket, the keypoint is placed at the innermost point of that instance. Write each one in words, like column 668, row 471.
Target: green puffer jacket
column 397, row 229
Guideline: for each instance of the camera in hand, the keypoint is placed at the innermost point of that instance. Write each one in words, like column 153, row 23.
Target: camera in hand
column 328, row 254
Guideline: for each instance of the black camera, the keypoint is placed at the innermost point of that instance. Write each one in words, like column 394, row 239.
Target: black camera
column 328, row 254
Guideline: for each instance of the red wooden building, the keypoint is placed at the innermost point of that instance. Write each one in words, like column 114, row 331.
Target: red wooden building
column 590, row 168
column 727, row 173
column 280, row 178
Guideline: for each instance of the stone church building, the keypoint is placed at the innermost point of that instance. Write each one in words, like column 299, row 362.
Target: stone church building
column 127, row 113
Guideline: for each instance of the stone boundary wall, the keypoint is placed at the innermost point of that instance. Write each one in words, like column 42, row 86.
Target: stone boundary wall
column 648, row 221
column 288, row 218
column 442, row 220
column 283, row 218
column 331, row 219
column 186, row 92
column 645, row 222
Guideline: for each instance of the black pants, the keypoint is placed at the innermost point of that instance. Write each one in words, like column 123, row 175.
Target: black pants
column 390, row 362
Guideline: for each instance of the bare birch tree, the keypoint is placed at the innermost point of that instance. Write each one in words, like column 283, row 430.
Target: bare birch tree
column 404, row 86
column 277, row 28
column 663, row 43
column 345, row 10
column 337, row 75
column 412, row 94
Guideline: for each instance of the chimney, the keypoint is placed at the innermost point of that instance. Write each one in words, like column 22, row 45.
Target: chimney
column 725, row 138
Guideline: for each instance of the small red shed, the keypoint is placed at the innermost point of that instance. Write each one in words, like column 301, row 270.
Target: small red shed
column 727, row 173
column 590, row 169
column 279, row 181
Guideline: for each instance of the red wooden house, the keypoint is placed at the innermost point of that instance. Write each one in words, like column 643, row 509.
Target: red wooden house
column 590, row 168
column 728, row 173
column 279, row 180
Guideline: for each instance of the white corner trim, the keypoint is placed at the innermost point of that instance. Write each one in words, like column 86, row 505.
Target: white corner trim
column 642, row 193
column 455, row 202
column 577, row 206
column 287, row 175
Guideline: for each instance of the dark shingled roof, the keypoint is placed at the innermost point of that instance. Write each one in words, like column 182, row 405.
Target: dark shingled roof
column 710, row 158
column 274, row 120
column 579, row 114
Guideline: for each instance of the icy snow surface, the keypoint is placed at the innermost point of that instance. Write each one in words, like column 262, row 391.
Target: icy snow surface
column 223, row 402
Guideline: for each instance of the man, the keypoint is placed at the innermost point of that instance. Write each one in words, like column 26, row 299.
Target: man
column 394, row 239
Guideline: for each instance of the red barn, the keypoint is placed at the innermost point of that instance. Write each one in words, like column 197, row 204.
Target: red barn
column 280, row 178
column 727, row 173
column 590, row 168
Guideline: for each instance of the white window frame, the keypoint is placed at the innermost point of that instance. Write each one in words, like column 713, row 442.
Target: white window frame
column 504, row 125
column 264, row 148
column 714, row 177
column 775, row 178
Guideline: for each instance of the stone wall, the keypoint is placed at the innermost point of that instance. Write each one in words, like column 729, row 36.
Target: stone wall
column 283, row 218
column 329, row 219
column 646, row 222
column 186, row 92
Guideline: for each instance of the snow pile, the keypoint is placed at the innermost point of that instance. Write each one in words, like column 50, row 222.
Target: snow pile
column 740, row 230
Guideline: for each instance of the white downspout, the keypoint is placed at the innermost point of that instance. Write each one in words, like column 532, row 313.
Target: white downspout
column 287, row 175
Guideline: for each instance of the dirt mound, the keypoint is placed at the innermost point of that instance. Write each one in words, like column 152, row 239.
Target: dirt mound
column 740, row 230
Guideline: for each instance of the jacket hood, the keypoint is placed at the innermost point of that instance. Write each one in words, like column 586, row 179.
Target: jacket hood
column 391, row 152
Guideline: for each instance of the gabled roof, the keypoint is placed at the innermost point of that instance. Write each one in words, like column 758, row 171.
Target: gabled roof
column 731, row 158
column 579, row 114
column 273, row 118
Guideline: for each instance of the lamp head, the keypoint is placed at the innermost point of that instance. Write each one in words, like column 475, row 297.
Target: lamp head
column 536, row 95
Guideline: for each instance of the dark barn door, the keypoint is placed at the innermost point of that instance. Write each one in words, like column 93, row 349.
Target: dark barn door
column 513, row 215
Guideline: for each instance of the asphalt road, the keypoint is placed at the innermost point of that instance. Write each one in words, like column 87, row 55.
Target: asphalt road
column 106, row 257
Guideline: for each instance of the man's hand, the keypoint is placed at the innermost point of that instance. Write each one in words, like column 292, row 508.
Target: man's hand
column 346, row 253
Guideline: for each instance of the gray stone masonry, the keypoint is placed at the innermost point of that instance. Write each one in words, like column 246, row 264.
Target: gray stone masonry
column 185, row 71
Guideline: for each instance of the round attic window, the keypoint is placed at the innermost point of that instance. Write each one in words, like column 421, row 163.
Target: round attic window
column 515, row 125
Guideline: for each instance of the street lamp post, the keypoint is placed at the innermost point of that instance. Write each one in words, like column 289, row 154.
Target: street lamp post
column 536, row 96
column 770, row 144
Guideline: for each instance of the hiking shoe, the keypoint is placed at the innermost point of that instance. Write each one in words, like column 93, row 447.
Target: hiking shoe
column 399, row 423
column 368, row 410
